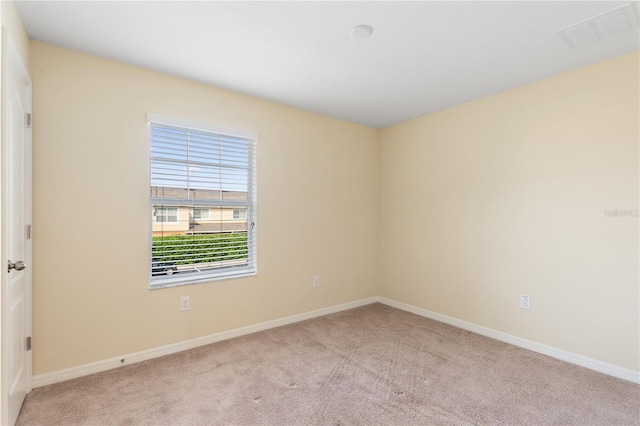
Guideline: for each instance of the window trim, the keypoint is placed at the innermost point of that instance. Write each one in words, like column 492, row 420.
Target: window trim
column 223, row 273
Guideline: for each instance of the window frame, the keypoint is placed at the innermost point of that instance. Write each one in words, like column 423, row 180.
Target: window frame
column 222, row 273
column 201, row 209
column 156, row 216
column 233, row 214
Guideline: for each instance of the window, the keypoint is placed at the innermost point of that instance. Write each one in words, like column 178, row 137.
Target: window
column 202, row 176
column 239, row 214
column 201, row 213
column 166, row 214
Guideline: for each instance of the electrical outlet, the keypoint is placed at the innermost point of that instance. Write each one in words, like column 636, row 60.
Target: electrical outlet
column 316, row 281
column 525, row 301
column 185, row 303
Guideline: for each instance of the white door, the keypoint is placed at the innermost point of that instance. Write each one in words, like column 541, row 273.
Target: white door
column 15, row 232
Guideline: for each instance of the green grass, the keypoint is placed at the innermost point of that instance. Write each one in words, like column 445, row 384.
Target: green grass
column 203, row 248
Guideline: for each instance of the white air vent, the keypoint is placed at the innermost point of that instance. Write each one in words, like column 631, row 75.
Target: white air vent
column 581, row 34
column 606, row 24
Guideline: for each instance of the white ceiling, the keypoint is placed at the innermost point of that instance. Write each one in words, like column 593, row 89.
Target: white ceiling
column 422, row 56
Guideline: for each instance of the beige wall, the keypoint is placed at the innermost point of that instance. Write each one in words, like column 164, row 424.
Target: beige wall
column 91, row 296
column 466, row 209
column 506, row 196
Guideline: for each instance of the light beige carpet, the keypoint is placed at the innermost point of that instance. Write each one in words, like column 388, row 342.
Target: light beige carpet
column 373, row 365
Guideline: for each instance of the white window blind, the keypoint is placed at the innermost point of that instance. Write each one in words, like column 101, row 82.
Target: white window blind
column 201, row 175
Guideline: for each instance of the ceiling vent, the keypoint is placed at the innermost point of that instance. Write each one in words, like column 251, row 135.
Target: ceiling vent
column 601, row 26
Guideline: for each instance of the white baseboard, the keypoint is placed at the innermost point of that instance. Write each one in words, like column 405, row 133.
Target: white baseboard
column 583, row 361
column 111, row 363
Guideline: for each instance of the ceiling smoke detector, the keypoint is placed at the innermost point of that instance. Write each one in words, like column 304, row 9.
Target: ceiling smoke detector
column 361, row 31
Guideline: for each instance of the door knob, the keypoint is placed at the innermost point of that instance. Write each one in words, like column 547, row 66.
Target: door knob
column 18, row 266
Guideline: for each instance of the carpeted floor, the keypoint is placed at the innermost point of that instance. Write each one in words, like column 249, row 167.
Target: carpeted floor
column 373, row 365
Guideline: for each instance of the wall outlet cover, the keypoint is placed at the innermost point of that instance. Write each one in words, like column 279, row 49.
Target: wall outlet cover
column 525, row 301
column 185, row 303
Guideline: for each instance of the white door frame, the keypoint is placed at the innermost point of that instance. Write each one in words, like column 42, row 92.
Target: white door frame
column 11, row 61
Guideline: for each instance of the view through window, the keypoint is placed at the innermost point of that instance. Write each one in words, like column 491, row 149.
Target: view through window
column 202, row 202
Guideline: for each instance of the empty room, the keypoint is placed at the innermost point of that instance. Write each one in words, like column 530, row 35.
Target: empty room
column 320, row 213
